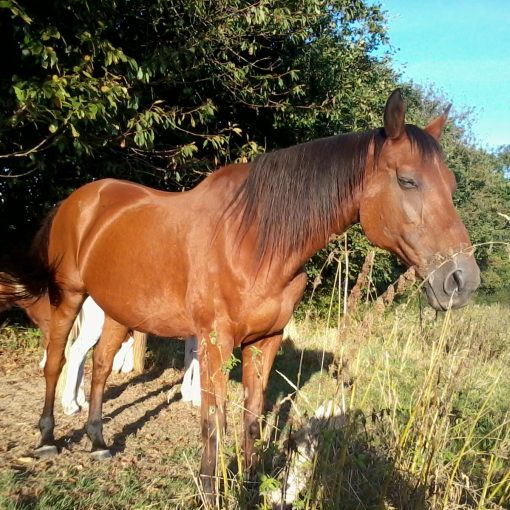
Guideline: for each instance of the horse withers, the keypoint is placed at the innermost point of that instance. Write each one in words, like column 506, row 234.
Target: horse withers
column 224, row 261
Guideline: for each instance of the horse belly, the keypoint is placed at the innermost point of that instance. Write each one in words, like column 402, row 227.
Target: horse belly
column 158, row 313
column 139, row 277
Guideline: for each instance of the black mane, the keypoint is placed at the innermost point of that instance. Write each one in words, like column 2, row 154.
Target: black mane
column 297, row 193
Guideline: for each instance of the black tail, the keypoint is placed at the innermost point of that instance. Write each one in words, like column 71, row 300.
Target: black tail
column 28, row 276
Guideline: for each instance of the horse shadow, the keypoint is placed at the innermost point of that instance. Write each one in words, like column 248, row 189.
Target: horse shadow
column 171, row 356
column 348, row 472
column 297, row 365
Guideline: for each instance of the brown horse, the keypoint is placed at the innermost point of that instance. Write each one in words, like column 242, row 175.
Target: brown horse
column 225, row 260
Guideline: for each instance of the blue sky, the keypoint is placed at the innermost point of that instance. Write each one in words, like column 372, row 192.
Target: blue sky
column 463, row 48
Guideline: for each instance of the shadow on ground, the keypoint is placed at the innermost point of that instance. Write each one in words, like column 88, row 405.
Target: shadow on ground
column 332, row 463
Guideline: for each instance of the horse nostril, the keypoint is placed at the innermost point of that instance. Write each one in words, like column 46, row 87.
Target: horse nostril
column 454, row 282
column 457, row 276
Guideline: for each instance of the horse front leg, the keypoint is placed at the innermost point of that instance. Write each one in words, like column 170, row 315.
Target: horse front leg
column 258, row 359
column 215, row 350
column 62, row 318
column 111, row 339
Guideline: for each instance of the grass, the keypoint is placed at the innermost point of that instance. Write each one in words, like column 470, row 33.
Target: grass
column 427, row 406
column 19, row 338
column 425, row 423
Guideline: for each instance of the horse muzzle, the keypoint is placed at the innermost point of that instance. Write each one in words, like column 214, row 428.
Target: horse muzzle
column 451, row 283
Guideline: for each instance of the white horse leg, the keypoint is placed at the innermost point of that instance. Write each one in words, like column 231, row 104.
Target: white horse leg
column 124, row 359
column 118, row 359
column 186, row 388
column 43, row 360
column 186, row 380
column 190, row 389
column 73, row 373
column 92, row 320
column 81, row 399
column 129, row 360
column 195, row 382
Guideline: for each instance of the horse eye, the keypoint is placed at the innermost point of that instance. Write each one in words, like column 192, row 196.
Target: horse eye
column 407, row 183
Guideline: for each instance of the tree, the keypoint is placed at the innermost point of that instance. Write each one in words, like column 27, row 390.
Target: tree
column 164, row 92
column 161, row 92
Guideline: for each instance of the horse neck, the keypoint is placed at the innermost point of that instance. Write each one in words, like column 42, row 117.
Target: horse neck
column 298, row 197
column 349, row 215
column 284, row 267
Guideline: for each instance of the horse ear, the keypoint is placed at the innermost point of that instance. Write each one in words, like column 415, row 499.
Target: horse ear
column 394, row 115
column 435, row 128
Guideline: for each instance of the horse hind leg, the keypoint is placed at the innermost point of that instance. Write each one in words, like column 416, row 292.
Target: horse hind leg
column 111, row 339
column 62, row 318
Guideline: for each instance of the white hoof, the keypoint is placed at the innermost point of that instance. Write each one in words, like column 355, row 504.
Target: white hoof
column 46, row 451
column 189, row 397
column 101, row 455
column 71, row 408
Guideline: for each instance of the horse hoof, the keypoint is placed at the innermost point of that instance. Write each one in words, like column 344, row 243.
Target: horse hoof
column 101, row 455
column 46, row 451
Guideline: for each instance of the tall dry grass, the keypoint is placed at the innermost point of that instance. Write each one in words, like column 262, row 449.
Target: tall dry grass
column 382, row 404
column 418, row 409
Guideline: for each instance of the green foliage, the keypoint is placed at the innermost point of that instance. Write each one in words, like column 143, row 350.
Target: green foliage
column 228, row 365
column 164, row 92
column 19, row 338
column 331, row 266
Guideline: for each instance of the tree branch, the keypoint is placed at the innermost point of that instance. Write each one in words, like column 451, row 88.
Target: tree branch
column 20, row 154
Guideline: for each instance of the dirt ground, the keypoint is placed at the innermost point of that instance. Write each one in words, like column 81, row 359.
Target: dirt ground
column 144, row 420
column 153, row 435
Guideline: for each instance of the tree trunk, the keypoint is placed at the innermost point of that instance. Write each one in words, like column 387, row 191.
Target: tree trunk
column 139, row 348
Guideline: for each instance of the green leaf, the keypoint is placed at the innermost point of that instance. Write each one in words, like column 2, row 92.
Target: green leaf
column 20, row 93
column 74, row 131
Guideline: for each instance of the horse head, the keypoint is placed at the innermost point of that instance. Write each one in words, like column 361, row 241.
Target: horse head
column 406, row 207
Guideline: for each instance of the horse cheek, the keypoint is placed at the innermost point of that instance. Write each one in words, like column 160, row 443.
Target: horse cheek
column 374, row 219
